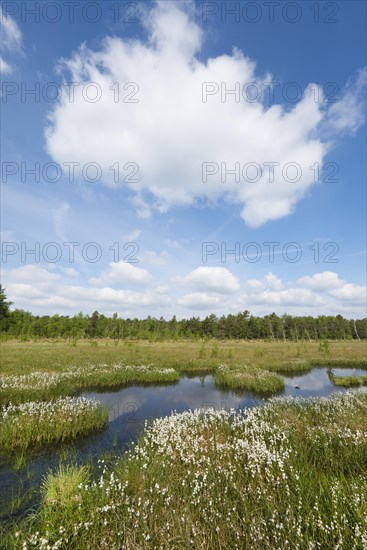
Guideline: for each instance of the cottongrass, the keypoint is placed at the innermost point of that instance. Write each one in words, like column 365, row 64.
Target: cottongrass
column 38, row 423
column 40, row 385
column 216, row 479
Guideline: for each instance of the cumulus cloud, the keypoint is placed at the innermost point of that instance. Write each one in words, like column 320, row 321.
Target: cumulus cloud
column 11, row 39
column 67, row 297
column 122, row 273
column 33, row 273
column 287, row 297
column 327, row 280
column 325, row 289
column 349, row 291
column 45, row 289
column 270, row 281
column 40, row 290
column 70, row 272
column 215, row 279
column 162, row 124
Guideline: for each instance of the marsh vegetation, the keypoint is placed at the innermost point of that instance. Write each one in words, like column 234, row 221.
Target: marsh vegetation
column 194, row 478
column 291, row 474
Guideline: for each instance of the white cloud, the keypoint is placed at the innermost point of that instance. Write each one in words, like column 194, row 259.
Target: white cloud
column 327, row 280
column 122, row 273
column 322, row 292
column 33, row 274
column 4, row 66
column 11, row 39
column 349, row 113
column 52, row 289
column 351, row 292
column 70, row 272
column 74, row 298
column 41, row 291
column 270, row 281
column 288, row 297
column 170, row 132
column 143, row 209
column 215, row 279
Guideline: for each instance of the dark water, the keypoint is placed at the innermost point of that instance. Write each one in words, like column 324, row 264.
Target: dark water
column 129, row 409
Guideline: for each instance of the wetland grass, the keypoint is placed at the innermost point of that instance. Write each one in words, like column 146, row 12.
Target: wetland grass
column 47, row 369
column 34, row 424
column 248, row 378
column 291, row 474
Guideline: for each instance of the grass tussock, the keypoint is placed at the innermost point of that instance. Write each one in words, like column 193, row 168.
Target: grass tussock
column 62, row 488
column 290, row 475
column 346, row 381
column 248, row 378
column 34, row 424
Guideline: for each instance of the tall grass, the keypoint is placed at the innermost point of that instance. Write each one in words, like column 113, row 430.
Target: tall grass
column 290, row 475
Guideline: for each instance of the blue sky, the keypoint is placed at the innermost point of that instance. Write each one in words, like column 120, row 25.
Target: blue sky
column 172, row 124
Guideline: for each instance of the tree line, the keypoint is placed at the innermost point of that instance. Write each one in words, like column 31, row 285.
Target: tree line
column 24, row 325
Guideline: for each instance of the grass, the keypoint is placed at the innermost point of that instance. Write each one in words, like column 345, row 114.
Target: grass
column 43, row 385
column 79, row 366
column 248, row 378
column 290, row 475
column 347, row 381
column 38, row 423
column 62, row 488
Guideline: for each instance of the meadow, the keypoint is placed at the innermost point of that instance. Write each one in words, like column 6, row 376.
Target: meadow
column 42, row 370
